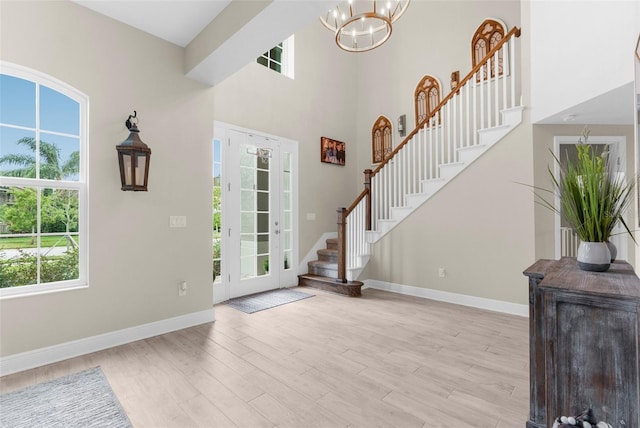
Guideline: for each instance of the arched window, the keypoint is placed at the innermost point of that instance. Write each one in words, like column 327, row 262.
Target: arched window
column 426, row 97
column 381, row 139
column 43, row 183
column 486, row 37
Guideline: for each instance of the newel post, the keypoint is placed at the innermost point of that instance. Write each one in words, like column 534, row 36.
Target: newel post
column 367, row 186
column 342, row 245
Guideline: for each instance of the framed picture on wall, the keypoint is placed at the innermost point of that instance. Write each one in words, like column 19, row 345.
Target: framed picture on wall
column 332, row 151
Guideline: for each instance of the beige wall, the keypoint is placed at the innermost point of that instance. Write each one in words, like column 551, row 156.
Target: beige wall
column 479, row 228
column 135, row 260
column 320, row 101
column 543, row 143
column 433, row 37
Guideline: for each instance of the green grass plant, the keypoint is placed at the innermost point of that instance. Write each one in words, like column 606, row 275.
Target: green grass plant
column 593, row 197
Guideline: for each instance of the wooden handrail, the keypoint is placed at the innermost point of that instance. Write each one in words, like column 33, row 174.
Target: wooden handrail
column 515, row 31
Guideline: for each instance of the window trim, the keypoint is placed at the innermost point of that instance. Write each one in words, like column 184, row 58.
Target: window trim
column 81, row 185
column 381, row 129
column 424, row 86
column 287, row 63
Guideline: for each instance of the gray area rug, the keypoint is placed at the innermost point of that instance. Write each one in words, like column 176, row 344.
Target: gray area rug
column 269, row 299
column 83, row 399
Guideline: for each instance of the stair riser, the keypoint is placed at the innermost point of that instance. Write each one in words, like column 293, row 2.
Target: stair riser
column 335, row 287
column 332, row 244
column 323, row 271
column 328, row 255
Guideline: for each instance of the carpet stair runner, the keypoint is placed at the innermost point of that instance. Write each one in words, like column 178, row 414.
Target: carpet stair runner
column 323, row 273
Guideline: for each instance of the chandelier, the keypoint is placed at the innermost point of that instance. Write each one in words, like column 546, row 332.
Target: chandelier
column 362, row 25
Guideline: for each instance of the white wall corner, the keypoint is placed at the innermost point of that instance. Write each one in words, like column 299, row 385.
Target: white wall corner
column 444, row 296
column 52, row 354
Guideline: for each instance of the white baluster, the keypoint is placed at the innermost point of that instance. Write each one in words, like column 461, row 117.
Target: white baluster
column 420, row 155
column 467, row 118
column 448, row 138
column 436, row 137
column 460, row 119
column 482, row 72
column 489, row 110
column 496, row 74
column 475, row 109
column 512, row 70
column 505, row 70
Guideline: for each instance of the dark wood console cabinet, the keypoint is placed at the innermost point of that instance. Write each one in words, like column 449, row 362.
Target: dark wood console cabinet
column 584, row 343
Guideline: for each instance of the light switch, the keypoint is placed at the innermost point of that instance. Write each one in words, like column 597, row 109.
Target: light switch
column 311, row 216
column 177, row 221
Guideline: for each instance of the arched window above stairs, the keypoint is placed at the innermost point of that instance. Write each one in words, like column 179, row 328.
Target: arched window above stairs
column 486, row 37
column 426, row 97
column 381, row 133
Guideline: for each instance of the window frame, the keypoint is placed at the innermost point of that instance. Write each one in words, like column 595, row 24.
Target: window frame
column 486, row 33
column 81, row 185
column 381, row 139
column 287, row 60
column 425, row 86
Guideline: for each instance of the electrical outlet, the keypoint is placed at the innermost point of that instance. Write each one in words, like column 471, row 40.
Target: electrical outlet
column 182, row 289
column 442, row 273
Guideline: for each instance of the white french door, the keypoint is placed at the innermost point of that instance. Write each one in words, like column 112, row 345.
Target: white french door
column 261, row 221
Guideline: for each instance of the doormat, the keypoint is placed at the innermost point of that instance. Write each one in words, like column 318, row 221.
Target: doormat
column 83, row 399
column 268, row 299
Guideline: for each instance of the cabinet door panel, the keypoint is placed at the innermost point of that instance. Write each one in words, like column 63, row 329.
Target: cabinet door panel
column 594, row 359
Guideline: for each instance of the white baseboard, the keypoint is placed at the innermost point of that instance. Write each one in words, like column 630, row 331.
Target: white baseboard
column 444, row 296
column 51, row 354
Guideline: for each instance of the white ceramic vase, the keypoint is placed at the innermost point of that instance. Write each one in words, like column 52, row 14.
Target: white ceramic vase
column 594, row 256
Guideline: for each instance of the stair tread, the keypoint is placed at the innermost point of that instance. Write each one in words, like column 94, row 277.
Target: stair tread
column 327, row 251
column 322, row 263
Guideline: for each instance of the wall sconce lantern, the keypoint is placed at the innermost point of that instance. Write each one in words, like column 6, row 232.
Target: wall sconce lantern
column 402, row 125
column 455, row 79
column 133, row 157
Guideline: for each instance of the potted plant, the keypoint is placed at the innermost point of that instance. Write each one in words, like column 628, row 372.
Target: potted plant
column 593, row 198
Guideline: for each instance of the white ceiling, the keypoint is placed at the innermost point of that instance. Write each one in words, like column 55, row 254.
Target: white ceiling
column 175, row 21
column 615, row 107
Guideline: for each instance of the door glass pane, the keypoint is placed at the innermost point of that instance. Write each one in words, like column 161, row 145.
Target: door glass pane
column 247, row 222
column 217, row 211
column 247, row 178
column 248, row 200
column 254, row 212
column 287, row 228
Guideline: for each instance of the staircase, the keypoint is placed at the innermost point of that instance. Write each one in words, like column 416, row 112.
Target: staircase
column 323, row 273
column 481, row 111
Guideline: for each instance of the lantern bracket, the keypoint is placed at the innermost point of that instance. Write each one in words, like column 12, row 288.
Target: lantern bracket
column 130, row 123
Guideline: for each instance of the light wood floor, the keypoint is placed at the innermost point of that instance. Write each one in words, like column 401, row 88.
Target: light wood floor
column 382, row 360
